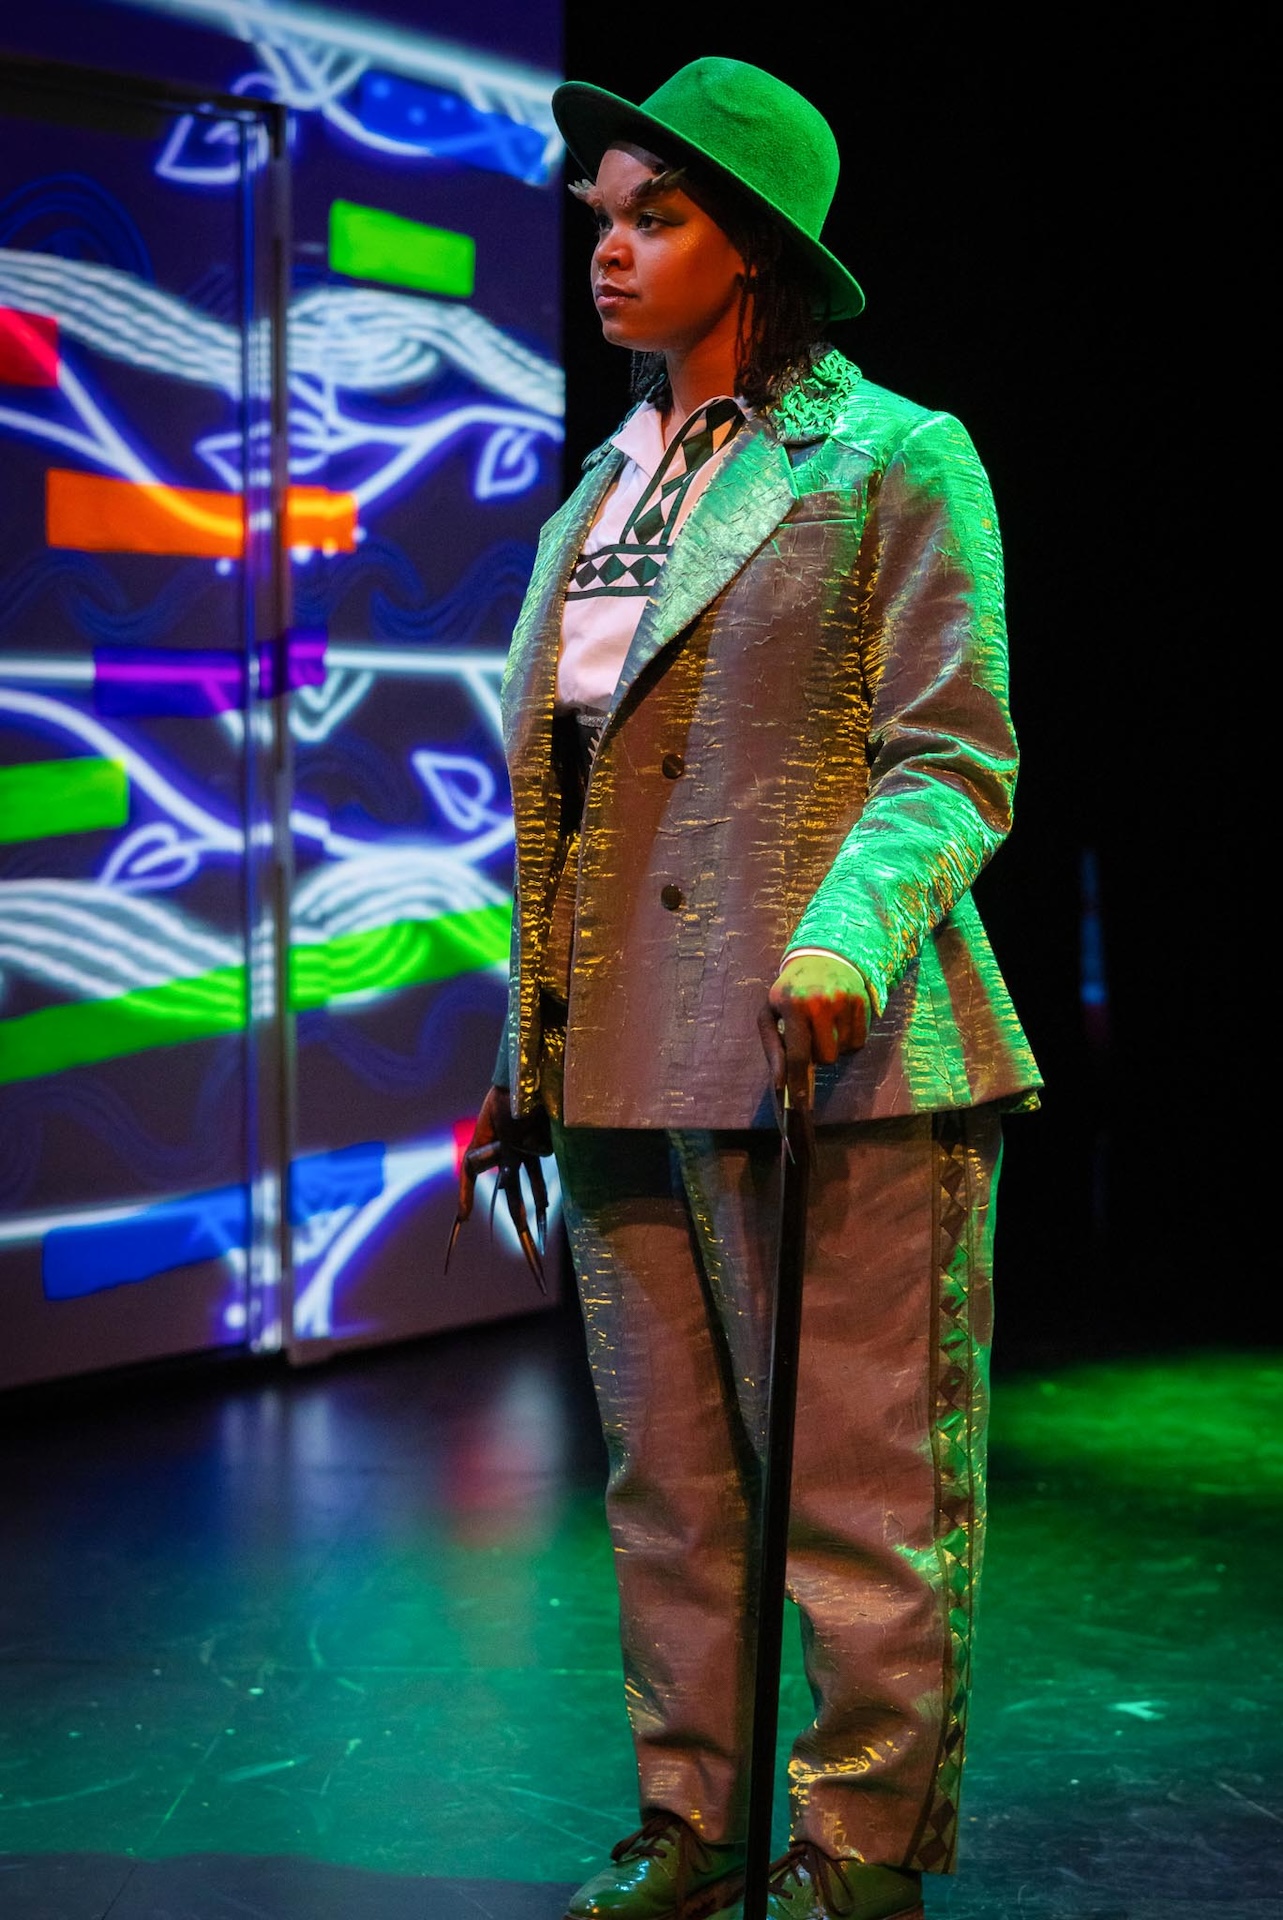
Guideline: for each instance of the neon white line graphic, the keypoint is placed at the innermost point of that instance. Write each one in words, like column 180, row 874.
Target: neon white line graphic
column 307, row 72
column 314, row 712
column 473, row 664
column 333, row 1241
column 97, row 939
column 366, row 340
column 152, row 859
column 383, row 887
column 318, row 438
column 480, row 664
column 134, row 863
column 94, row 941
column 326, row 707
column 325, row 1245
column 100, row 441
column 493, row 85
column 340, row 339
column 126, row 318
column 461, row 787
column 405, row 1170
column 360, row 339
column 47, row 669
column 351, row 341
column 480, row 671
column 19, row 1229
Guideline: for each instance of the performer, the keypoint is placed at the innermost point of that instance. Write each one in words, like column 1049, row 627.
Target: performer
column 757, row 731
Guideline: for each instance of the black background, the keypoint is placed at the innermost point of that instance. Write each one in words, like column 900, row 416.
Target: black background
column 1051, row 219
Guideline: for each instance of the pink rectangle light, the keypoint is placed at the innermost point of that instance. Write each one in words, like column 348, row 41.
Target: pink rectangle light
column 28, row 349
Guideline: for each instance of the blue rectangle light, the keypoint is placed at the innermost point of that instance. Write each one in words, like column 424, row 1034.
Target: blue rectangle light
column 91, row 1256
column 450, row 127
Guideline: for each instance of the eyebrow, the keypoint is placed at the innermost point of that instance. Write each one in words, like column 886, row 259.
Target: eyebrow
column 657, row 187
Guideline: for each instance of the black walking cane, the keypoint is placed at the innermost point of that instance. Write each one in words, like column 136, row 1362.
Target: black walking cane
column 795, row 1176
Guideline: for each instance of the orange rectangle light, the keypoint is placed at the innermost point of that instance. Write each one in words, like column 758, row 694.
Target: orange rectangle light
column 315, row 517
column 96, row 513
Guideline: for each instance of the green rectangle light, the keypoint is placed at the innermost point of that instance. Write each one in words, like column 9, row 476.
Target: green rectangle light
column 47, row 797
column 348, row 969
column 368, row 244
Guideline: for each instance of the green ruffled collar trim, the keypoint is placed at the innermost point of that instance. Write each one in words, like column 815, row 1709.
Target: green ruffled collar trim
column 812, row 406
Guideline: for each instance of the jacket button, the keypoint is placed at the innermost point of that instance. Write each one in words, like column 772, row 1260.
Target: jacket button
column 672, row 766
column 672, row 897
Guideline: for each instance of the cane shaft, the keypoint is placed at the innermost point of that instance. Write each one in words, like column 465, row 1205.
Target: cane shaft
column 777, row 1479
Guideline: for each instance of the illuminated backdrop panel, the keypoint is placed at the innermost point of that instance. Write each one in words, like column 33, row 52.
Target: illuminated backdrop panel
column 423, row 406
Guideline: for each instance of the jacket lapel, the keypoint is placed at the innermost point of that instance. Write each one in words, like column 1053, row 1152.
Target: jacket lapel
column 740, row 508
column 529, row 677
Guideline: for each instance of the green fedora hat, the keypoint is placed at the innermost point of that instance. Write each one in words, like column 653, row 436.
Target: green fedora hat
column 746, row 128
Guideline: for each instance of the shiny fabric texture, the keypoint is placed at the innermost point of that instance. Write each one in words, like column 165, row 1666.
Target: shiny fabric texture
column 809, row 744
column 673, row 1237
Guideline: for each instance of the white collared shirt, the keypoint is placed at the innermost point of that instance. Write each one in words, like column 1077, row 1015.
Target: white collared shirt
column 610, row 589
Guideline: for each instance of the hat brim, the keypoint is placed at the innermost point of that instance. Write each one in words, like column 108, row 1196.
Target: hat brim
column 590, row 119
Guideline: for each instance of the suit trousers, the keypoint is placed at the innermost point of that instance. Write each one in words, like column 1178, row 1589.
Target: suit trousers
column 673, row 1237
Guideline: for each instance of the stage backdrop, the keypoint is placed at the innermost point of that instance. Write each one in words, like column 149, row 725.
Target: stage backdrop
column 301, row 269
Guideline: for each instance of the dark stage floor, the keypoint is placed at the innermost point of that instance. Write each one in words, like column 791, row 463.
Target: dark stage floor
column 340, row 1645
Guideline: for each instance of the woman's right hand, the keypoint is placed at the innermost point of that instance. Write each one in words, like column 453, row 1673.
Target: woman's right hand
column 505, row 1143
column 497, row 1126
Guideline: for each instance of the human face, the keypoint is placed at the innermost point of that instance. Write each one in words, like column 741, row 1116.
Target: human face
column 665, row 278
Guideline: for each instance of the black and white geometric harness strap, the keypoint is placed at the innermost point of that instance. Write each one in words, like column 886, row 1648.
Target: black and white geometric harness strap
column 632, row 564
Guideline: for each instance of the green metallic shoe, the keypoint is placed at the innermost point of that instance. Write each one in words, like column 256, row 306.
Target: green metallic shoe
column 664, row 1871
column 808, row 1884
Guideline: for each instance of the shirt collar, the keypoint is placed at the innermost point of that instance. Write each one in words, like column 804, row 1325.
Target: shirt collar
column 641, row 437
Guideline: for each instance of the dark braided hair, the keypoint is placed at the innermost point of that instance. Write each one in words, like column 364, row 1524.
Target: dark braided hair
column 782, row 312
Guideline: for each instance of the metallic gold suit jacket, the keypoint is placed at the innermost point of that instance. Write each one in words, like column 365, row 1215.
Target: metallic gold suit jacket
column 809, row 744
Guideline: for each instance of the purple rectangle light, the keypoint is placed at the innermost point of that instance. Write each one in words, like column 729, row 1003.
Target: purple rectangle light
column 158, row 681
column 305, row 655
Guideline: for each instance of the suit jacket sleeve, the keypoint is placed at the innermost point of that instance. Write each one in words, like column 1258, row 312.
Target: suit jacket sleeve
column 941, row 747
column 502, row 1074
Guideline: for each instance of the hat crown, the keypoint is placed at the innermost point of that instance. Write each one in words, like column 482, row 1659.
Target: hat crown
column 758, row 128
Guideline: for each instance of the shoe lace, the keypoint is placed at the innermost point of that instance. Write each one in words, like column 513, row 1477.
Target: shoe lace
column 658, row 1831
column 826, row 1876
